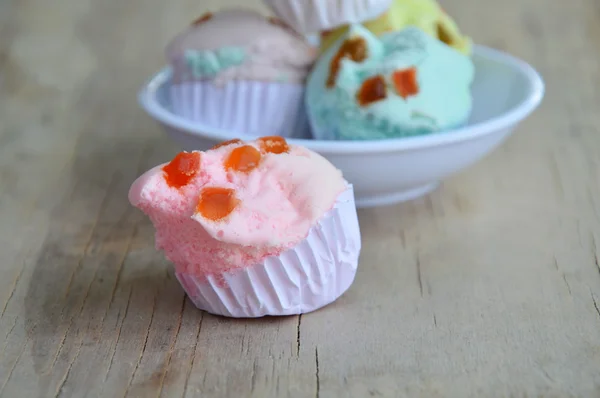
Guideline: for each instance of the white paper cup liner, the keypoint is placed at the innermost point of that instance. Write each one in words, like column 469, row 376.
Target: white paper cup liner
column 311, row 16
column 243, row 107
column 305, row 278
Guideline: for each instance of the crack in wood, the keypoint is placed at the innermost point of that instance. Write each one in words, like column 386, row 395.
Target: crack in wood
column 595, row 252
column 72, row 321
column 112, row 297
column 8, row 335
column 253, row 376
column 595, row 304
column 79, row 263
column 12, row 369
column 171, row 349
column 143, row 351
column 120, row 270
column 114, row 350
column 547, row 375
column 562, row 274
column 243, row 342
column 567, row 283
column 298, row 336
column 193, row 357
column 88, row 242
column 59, row 389
column 318, row 377
column 419, row 277
column 13, row 288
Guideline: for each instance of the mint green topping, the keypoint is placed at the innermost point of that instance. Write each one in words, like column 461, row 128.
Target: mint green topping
column 231, row 56
column 443, row 100
column 206, row 64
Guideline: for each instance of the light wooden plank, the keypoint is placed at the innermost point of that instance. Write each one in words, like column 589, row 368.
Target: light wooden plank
column 488, row 287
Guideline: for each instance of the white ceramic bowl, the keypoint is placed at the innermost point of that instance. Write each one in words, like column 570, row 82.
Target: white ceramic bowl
column 505, row 91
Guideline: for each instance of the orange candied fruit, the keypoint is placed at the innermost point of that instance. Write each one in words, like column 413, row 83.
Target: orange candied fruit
column 273, row 144
column 216, row 203
column 354, row 48
column 326, row 33
column 226, row 143
column 180, row 171
column 203, row 18
column 244, row 158
column 405, row 82
column 372, row 90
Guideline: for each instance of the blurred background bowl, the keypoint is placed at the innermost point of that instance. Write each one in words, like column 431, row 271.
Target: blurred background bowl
column 505, row 91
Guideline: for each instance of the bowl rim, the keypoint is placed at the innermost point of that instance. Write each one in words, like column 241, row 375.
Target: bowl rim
column 535, row 94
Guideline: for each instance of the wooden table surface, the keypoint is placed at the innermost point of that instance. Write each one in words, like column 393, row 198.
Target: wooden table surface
column 490, row 287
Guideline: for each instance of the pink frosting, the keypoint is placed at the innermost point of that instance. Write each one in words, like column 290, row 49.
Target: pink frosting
column 274, row 51
column 279, row 201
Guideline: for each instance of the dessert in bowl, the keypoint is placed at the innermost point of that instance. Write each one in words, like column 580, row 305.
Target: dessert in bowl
column 398, row 98
column 505, row 90
column 400, row 84
column 239, row 70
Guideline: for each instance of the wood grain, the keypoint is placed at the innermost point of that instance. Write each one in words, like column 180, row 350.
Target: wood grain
column 490, row 287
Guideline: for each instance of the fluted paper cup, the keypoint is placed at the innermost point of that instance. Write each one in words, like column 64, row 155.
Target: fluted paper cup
column 311, row 275
column 312, row 16
column 244, row 107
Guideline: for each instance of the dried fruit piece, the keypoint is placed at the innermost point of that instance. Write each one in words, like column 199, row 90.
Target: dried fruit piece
column 405, row 82
column 180, row 171
column 203, row 18
column 244, row 158
column 273, row 144
column 444, row 35
column 278, row 22
column 325, row 33
column 216, row 203
column 372, row 90
column 283, row 25
column 354, row 48
column 226, row 143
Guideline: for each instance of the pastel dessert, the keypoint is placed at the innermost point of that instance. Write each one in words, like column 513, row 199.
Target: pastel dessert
column 400, row 84
column 314, row 16
column 426, row 15
column 254, row 228
column 240, row 71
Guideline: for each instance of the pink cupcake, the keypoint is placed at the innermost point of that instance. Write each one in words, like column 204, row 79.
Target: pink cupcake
column 240, row 71
column 254, row 229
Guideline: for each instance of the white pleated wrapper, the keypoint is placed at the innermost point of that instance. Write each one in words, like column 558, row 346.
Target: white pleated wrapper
column 312, row 16
column 244, row 107
column 309, row 276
